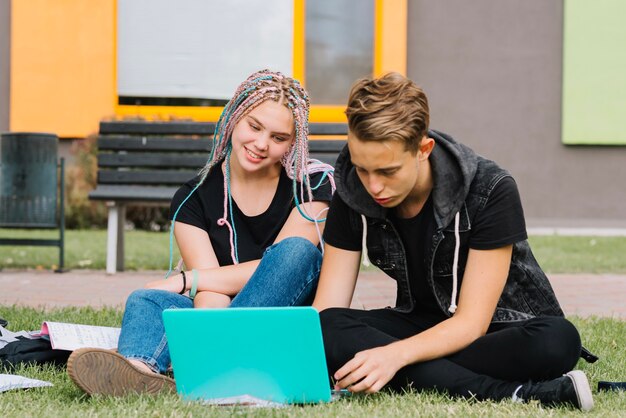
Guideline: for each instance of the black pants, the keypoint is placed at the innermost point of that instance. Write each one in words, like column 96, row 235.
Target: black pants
column 492, row 367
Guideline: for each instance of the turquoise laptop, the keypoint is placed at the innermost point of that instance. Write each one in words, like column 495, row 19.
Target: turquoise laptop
column 273, row 354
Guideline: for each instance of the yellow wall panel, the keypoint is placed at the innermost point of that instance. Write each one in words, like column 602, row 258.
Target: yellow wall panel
column 62, row 65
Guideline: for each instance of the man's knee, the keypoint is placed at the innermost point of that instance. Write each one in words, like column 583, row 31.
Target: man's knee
column 335, row 318
column 559, row 329
column 338, row 346
column 560, row 343
column 570, row 345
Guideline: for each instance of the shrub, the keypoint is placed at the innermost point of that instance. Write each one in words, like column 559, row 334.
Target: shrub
column 80, row 212
column 81, row 178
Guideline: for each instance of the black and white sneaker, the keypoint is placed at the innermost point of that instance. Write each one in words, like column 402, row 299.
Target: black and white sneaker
column 570, row 389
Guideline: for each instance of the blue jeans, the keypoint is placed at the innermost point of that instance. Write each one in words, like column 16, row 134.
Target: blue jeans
column 286, row 276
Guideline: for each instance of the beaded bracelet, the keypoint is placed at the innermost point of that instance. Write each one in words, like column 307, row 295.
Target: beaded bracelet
column 194, row 284
column 184, row 282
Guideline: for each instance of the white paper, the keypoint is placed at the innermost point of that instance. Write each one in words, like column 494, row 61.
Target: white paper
column 73, row 336
column 12, row 381
column 7, row 336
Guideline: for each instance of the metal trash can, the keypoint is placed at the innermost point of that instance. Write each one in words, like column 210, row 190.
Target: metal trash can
column 32, row 188
column 28, row 180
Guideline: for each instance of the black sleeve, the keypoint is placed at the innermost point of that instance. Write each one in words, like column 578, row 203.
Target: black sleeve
column 338, row 231
column 191, row 212
column 320, row 188
column 501, row 222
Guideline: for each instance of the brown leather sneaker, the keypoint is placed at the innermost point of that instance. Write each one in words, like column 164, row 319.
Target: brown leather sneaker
column 105, row 372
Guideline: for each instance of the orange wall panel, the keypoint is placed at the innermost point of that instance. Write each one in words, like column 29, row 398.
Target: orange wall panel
column 390, row 36
column 62, row 65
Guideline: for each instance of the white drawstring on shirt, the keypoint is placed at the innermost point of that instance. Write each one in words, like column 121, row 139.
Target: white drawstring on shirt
column 455, row 278
column 366, row 260
column 457, row 247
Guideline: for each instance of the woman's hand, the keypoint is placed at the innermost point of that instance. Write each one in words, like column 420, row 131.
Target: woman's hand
column 370, row 370
column 172, row 284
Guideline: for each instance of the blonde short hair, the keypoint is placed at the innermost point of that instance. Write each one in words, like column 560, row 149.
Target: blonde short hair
column 391, row 107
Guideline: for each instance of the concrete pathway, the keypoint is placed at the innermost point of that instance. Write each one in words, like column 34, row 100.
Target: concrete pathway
column 580, row 294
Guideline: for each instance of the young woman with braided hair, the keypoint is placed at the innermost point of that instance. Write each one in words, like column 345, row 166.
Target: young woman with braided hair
column 248, row 229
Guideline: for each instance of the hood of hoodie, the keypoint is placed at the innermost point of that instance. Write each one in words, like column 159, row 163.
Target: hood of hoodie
column 453, row 167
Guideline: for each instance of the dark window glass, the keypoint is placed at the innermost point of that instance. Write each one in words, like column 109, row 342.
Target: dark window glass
column 339, row 47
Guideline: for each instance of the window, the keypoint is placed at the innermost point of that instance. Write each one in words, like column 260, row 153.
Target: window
column 184, row 59
column 339, row 47
column 198, row 51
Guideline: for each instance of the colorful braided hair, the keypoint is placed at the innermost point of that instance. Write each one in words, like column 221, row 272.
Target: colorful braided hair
column 259, row 87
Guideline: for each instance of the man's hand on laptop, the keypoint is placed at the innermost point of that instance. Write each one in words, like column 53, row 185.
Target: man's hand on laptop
column 369, row 370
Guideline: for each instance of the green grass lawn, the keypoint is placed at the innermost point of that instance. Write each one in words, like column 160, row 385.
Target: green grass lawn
column 150, row 251
column 605, row 337
column 87, row 249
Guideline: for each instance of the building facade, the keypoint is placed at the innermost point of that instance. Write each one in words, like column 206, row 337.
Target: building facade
column 507, row 77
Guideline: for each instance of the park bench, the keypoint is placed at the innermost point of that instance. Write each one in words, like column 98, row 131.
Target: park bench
column 144, row 163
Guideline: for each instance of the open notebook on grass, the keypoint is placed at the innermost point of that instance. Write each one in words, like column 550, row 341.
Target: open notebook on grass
column 65, row 336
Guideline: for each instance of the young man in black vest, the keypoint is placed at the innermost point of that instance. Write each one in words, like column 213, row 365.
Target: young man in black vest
column 475, row 316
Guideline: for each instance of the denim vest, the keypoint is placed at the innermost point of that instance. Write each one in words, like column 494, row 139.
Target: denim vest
column 463, row 182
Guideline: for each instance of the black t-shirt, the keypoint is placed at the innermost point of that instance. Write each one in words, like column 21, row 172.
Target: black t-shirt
column 254, row 233
column 416, row 234
column 500, row 223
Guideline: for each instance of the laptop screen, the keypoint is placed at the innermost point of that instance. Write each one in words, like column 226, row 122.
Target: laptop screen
column 274, row 354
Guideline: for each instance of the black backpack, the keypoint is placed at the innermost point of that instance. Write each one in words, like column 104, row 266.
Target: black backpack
column 31, row 351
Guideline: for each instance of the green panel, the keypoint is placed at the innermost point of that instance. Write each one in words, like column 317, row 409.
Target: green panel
column 594, row 72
